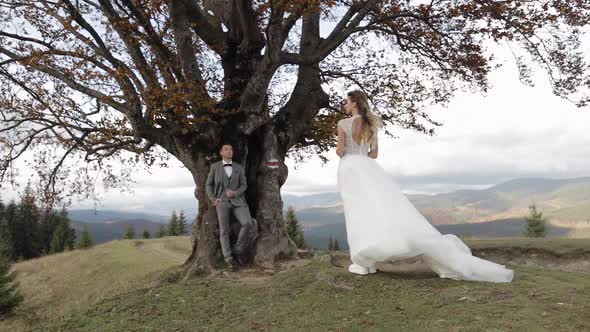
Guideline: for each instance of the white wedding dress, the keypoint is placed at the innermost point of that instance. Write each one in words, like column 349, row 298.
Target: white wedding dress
column 382, row 224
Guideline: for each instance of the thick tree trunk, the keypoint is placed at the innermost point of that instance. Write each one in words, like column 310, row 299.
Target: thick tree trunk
column 263, row 196
column 205, row 228
column 266, row 175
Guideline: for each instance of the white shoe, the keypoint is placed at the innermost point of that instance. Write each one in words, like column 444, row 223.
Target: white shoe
column 372, row 269
column 354, row 268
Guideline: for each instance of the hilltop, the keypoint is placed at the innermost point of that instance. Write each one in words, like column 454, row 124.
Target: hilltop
column 129, row 285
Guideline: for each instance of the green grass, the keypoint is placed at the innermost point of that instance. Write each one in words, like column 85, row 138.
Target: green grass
column 54, row 285
column 319, row 296
column 112, row 288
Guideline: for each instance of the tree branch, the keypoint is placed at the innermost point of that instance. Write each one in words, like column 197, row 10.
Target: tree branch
column 338, row 35
column 308, row 96
column 212, row 35
column 179, row 15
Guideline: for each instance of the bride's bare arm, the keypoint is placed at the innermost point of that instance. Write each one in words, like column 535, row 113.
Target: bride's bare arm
column 340, row 142
column 374, row 152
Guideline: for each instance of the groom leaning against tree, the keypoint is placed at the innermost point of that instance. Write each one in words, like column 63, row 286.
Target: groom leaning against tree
column 226, row 186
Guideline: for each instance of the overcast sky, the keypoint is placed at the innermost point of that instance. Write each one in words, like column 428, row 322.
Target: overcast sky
column 514, row 131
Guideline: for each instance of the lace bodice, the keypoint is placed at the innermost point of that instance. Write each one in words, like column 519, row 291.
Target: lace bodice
column 350, row 146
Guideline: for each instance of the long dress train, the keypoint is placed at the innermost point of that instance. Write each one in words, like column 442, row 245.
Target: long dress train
column 382, row 224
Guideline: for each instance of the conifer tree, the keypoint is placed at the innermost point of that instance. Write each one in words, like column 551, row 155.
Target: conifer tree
column 535, row 223
column 64, row 236
column 26, row 236
column 85, row 239
column 59, row 238
column 146, row 234
column 6, row 245
column 70, row 242
column 335, row 245
column 10, row 230
column 181, row 224
column 161, row 232
column 10, row 298
column 173, row 225
column 48, row 225
column 129, row 232
column 294, row 228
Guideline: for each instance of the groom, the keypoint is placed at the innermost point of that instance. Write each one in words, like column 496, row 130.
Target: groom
column 226, row 186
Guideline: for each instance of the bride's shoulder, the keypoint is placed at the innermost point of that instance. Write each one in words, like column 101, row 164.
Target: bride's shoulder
column 343, row 121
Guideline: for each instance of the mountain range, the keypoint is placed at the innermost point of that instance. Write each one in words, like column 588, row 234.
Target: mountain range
column 498, row 211
column 565, row 202
column 106, row 231
column 495, row 211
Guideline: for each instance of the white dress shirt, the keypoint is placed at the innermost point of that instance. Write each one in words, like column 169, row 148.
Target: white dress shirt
column 228, row 169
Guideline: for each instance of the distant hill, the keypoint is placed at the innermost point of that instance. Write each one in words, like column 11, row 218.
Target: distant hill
column 318, row 236
column 112, row 230
column 100, row 216
column 87, row 216
column 565, row 202
column 319, row 216
column 310, row 201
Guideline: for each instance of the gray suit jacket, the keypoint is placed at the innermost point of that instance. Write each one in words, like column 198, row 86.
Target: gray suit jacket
column 218, row 181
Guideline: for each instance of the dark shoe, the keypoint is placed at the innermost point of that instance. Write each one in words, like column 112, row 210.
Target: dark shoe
column 231, row 264
column 241, row 260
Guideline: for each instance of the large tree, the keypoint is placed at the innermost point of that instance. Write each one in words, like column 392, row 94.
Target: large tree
column 94, row 79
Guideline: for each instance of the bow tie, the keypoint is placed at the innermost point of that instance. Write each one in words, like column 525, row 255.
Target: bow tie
column 225, row 165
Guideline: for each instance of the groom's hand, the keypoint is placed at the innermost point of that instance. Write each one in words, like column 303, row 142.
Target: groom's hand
column 216, row 201
column 230, row 193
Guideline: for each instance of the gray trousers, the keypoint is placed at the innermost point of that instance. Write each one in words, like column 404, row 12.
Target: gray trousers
column 242, row 214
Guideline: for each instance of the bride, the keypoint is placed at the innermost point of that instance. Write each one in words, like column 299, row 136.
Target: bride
column 381, row 223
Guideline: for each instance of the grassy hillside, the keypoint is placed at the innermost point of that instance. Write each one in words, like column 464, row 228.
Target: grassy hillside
column 57, row 284
column 320, row 296
column 113, row 288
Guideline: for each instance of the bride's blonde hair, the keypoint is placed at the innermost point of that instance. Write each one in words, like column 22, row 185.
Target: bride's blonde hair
column 370, row 123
